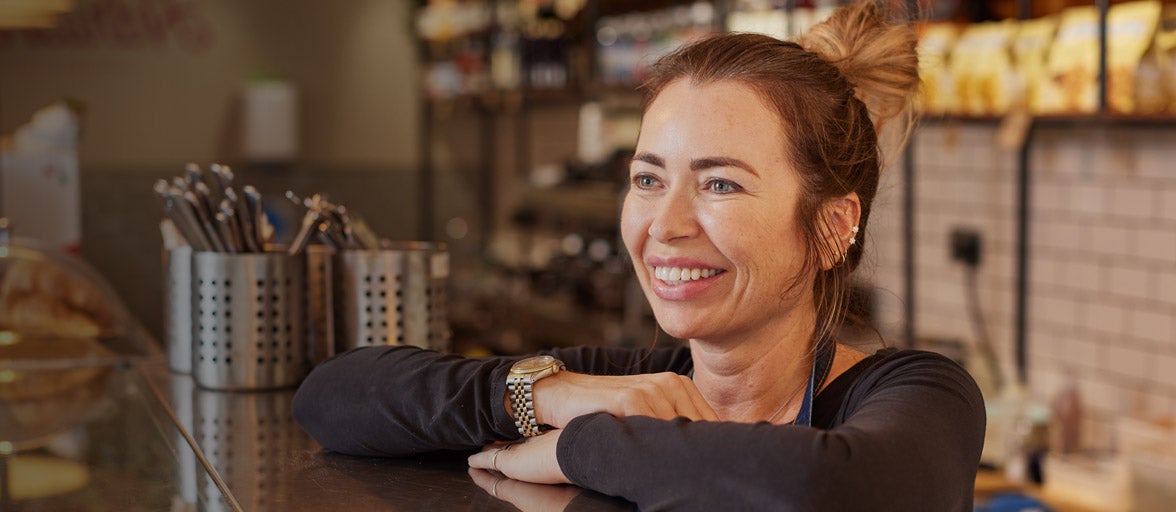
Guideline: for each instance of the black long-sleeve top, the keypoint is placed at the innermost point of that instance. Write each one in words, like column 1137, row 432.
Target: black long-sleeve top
column 900, row 430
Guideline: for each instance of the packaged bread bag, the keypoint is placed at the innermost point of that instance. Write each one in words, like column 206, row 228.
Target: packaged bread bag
column 982, row 68
column 1163, row 54
column 1132, row 81
column 1000, row 84
column 937, row 93
column 965, row 59
column 1071, row 84
column 1030, row 49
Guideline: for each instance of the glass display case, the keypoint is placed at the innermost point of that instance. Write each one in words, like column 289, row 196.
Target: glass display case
column 63, row 334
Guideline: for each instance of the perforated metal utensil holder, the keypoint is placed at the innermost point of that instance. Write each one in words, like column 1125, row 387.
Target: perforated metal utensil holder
column 248, row 310
column 424, row 280
column 320, row 329
column 177, row 308
column 392, row 296
column 367, row 298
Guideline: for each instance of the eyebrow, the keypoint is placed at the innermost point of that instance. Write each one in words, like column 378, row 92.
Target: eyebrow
column 698, row 164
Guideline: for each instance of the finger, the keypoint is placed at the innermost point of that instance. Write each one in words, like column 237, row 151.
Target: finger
column 703, row 408
column 686, row 408
column 689, row 400
column 682, row 400
column 660, row 406
column 485, row 459
column 678, row 391
column 705, row 412
column 653, row 396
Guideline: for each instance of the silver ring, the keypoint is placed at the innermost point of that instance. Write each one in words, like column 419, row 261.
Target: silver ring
column 494, row 461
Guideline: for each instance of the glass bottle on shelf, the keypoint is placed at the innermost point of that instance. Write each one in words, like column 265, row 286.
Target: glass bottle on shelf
column 549, row 68
column 505, row 62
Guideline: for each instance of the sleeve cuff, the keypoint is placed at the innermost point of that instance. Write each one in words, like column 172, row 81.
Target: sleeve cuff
column 565, row 450
column 504, row 424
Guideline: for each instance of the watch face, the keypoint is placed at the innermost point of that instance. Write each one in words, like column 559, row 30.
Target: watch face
column 533, row 364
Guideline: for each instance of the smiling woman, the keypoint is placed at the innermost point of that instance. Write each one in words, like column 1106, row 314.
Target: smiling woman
column 750, row 189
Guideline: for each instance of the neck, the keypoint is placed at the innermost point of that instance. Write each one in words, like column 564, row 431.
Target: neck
column 755, row 377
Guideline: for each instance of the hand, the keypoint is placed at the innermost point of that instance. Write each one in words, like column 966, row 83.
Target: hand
column 532, row 460
column 525, row 496
column 566, row 395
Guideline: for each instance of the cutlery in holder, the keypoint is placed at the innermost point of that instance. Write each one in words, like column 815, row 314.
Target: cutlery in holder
column 240, row 318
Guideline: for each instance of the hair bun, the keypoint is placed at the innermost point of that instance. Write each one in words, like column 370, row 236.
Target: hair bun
column 877, row 56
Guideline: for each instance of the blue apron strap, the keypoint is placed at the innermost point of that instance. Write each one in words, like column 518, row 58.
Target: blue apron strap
column 822, row 363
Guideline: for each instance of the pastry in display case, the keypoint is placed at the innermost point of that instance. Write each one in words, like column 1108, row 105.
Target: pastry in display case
column 62, row 332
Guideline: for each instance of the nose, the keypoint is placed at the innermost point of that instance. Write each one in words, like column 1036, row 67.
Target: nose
column 674, row 218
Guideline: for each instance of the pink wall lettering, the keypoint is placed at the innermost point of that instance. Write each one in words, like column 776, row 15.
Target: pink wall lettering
column 127, row 24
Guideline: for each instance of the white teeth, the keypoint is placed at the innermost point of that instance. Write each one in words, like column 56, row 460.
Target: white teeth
column 675, row 275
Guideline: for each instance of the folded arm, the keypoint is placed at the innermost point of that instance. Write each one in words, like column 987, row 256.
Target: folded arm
column 909, row 439
column 401, row 400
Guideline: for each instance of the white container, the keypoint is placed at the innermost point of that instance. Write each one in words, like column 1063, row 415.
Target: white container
column 29, row 181
column 270, row 122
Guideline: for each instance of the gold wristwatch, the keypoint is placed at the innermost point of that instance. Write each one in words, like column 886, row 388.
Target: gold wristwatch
column 523, row 375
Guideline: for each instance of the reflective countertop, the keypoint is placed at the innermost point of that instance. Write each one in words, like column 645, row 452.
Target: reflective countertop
column 160, row 443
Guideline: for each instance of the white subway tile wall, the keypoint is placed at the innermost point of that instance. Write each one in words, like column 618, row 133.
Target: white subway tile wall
column 883, row 243
column 1168, row 201
column 1102, row 267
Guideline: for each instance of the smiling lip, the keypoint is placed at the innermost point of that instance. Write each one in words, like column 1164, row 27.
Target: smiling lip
column 678, row 279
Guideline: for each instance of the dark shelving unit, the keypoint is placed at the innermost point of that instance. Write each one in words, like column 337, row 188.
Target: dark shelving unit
column 500, row 161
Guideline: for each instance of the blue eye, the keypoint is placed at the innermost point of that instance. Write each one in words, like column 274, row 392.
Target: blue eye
column 644, row 181
column 719, row 186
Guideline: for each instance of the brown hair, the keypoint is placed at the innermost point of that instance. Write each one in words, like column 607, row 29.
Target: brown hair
column 836, row 87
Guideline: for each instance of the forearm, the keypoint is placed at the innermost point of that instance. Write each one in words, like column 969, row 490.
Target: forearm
column 403, row 400
column 913, row 444
column 681, row 465
column 396, row 400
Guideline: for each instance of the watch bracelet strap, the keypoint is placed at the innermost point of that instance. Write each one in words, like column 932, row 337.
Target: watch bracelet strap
column 523, row 404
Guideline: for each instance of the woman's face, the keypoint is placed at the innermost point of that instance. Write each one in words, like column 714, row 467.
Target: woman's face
column 709, row 218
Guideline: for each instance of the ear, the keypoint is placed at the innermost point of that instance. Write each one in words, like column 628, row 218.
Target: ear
column 839, row 217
